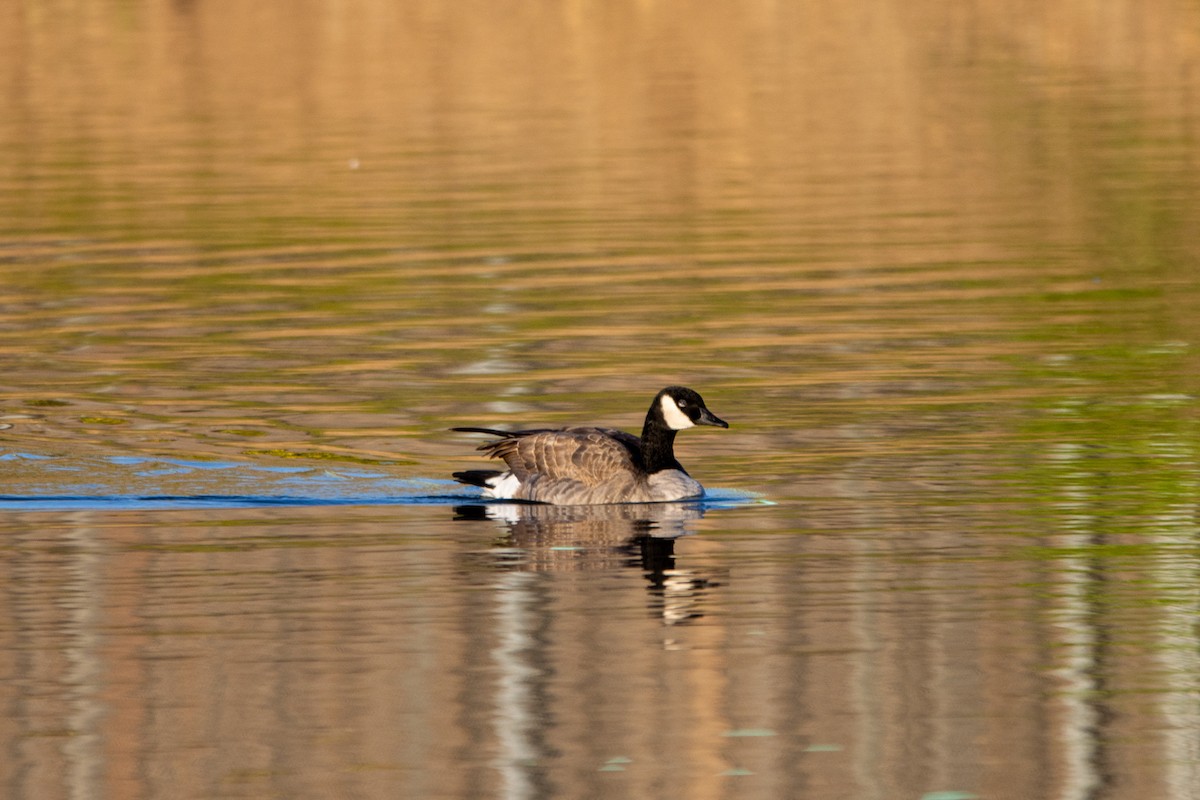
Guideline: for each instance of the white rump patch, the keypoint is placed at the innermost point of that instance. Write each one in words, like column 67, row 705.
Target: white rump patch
column 503, row 487
column 676, row 420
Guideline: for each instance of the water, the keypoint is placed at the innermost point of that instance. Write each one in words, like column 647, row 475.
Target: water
column 936, row 267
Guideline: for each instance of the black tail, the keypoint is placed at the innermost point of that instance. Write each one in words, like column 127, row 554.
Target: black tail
column 489, row 431
column 477, row 477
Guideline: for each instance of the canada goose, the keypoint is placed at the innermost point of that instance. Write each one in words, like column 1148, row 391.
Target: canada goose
column 577, row 466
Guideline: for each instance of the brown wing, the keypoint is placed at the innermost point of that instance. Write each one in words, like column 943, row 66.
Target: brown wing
column 586, row 455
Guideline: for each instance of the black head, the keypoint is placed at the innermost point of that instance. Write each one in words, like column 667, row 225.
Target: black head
column 680, row 407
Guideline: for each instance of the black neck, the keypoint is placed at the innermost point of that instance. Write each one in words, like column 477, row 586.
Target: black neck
column 658, row 445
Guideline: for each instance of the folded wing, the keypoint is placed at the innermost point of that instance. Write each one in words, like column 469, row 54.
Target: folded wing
column 589, row 456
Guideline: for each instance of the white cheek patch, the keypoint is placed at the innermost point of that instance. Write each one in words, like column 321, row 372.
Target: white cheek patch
column 676, row 420
column 503, row 487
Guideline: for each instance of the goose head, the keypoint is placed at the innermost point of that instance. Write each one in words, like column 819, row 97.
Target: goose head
column 679, row 407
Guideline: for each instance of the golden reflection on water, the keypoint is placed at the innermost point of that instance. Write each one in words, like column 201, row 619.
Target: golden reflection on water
column 936, row 265
column 317, row 652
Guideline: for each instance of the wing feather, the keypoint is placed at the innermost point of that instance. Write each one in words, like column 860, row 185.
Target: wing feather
column 571, row 466
column 588, row 455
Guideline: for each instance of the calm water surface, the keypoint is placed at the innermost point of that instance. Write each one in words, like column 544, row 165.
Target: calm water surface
column 938, row 267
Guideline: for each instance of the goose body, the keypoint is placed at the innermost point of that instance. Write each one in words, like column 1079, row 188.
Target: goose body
column 589, row 465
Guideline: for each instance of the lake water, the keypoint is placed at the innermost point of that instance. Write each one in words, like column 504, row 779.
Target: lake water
column 938, row 266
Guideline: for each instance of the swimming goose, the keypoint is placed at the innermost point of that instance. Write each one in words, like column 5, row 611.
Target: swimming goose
column 577, row 466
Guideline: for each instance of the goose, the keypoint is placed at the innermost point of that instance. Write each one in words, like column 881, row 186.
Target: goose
column 589, row 466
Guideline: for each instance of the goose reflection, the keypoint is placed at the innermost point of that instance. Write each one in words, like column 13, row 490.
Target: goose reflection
column 536, row 544
column 546, row 538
